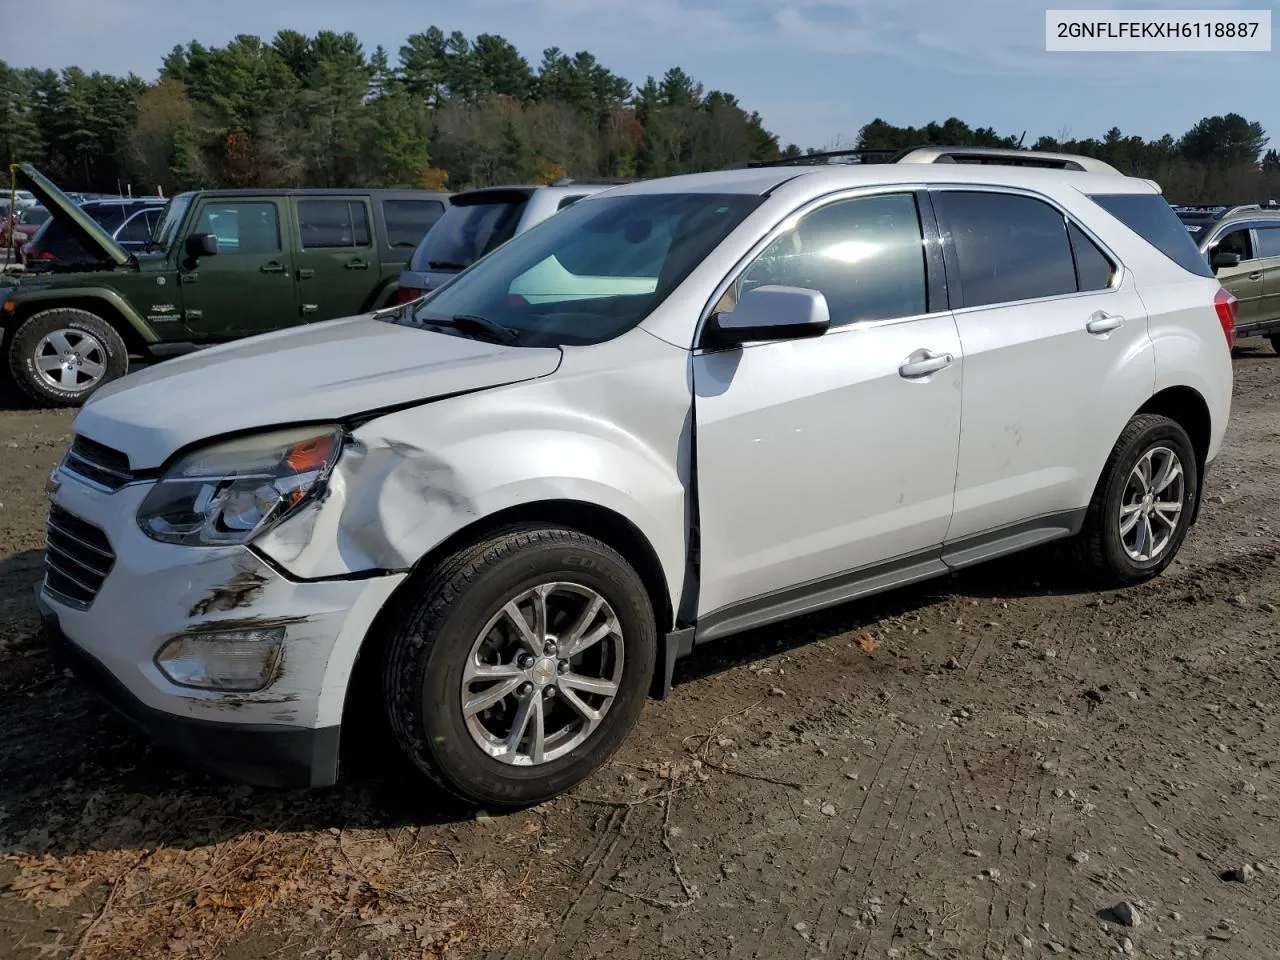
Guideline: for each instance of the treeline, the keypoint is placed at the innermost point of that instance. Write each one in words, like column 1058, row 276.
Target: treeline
column 1220, row 159
column 446, row 111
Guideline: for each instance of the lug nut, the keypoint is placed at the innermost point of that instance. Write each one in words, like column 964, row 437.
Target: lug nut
column 563, row 666
column 550, row 650
column 526, row 662
column 549, row 692
column 526, row 689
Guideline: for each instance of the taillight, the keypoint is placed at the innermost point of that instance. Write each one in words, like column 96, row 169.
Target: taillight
column 1227, row 305
column 30, row 253
column 407, row 294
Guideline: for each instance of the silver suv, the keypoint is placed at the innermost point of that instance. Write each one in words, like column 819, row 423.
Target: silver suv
column 670, row 413
column 479, row 221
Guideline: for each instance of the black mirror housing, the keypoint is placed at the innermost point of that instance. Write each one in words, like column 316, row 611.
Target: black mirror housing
column 201, row 245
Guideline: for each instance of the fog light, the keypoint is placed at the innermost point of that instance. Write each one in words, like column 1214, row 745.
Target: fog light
column 238, row 660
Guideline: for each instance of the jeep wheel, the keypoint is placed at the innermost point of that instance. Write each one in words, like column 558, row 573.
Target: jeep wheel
column 59, row 357
column 522, row 666
column 1142, row 506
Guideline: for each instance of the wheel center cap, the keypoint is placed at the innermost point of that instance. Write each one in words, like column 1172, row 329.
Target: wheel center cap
column 543, row 671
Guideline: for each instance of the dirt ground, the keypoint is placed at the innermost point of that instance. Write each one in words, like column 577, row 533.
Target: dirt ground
column 981, row 767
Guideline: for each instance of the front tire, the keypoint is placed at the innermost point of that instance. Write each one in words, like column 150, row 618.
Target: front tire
column 522, row 667
column 61, row 356
column 1141, row 509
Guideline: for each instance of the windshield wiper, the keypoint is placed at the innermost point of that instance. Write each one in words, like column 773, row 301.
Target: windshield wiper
column 474, row 325
column 445, row 265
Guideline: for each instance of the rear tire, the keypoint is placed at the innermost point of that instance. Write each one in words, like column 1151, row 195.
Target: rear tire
column 1141, row 509
column 1275, row 342
column 60, row 357
column 461, row 674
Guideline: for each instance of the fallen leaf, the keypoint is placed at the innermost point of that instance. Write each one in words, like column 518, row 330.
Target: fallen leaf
column 868, row 643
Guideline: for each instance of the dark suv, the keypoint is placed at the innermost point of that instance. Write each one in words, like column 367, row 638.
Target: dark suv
column 222, row 264
column 130, row 221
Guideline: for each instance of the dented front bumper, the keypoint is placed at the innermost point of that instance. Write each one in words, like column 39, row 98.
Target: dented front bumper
column 155, row 592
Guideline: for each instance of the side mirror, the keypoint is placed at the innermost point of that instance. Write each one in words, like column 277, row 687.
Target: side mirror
column 201, row 245
column 1224, row 259
column 772, row 313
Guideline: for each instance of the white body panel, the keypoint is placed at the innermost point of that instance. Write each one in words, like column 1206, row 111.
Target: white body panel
column 816, row 456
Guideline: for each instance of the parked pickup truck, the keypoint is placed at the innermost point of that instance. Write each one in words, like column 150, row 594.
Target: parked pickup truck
column 222, row 264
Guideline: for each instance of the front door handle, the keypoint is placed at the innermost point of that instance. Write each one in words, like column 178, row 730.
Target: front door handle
column 922, row 363
column 357, row 264
column 272, row 267
column 1256, row 275
column 1103, row 322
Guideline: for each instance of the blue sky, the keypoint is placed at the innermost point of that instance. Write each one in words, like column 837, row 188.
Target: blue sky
column 815, row 69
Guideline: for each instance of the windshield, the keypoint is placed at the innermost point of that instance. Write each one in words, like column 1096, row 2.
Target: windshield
column 466, row 233
column 167, row 228
column 592, row 271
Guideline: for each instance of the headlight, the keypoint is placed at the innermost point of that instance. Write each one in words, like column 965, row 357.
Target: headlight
column 230, row 492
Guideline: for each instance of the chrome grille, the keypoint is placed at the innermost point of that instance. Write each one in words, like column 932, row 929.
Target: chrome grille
column 77, row 558
column 98, row 464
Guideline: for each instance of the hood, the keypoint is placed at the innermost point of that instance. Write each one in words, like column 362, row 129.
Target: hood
column 318, row 372
column 62, row 208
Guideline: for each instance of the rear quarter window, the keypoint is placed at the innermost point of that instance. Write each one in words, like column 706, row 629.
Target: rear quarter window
column 1150, row 217
column 409, row 220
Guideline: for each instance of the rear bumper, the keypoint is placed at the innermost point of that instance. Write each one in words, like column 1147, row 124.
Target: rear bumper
column 266, row 755
column 1259, row 328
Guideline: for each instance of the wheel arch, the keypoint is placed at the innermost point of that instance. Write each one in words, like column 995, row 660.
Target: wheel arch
column 602, row 523
column 1186, row 407
column 107, row 304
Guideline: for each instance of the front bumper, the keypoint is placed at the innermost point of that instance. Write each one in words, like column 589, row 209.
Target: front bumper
column 284, row 734
column 265, row 755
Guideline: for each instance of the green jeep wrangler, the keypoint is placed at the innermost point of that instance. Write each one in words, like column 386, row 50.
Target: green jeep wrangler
column 223, row 264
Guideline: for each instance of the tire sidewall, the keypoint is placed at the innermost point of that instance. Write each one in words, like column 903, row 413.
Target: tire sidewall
column 1167, row 434
column 41, row 324
column 435, row 714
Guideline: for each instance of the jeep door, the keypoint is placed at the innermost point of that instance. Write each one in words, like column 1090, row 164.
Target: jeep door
column 247, row 287
column 338, row 265
column 821, row 459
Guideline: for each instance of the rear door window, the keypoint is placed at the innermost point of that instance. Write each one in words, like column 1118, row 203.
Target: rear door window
column 1268, row 242
column 468, row 231
column 1008, row 247
column 333, row 223
column 1150, row 217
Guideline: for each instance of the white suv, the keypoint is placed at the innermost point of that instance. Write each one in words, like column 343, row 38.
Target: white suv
column 674, row 411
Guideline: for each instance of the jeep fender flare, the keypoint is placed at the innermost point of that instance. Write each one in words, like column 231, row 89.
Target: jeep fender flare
column 28, row 303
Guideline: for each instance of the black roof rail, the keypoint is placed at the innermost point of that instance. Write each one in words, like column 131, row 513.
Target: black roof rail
column 934, row 153
column 861, row 155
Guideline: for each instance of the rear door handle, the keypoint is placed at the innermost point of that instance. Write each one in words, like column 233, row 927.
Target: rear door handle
column 272, row 267
column 1256, row 275
column 1103, row 322
column 306, row 274
column 357, row 264
column 924, row 362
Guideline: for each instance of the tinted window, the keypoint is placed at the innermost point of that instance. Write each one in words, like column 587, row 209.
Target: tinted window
column 1269, row 242
column 866, row 256
column 333, row 223
column 1235, row 241
column 409, row 220
column 1008, row 247
column 1093, row 270
column 241, row 227
column 593, row 270
column 135, row 230
column 466, row 233
column 1151, row 217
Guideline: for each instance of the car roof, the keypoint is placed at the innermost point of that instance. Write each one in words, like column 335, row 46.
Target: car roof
column 763, row 180
column 1238, row 214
